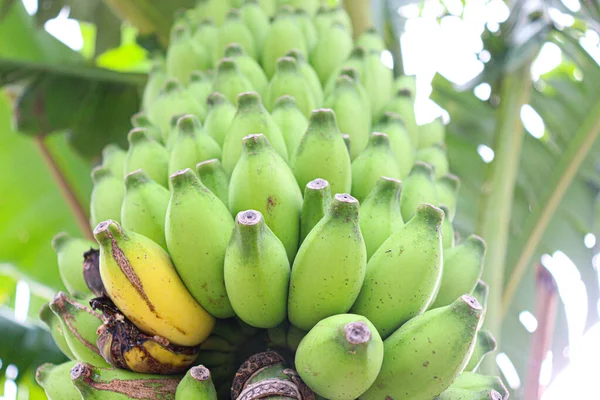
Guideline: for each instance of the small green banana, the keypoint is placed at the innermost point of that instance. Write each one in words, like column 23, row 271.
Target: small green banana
column 380, row 214
column 145, row 206
column 220, row 113
column 277, row 334
column 250, row 118
column 173, row 99
column 229, row 80
column 56, row 381
column 257, row 21
column 213, row 176
column 234, row 30
column 477, row 382
column 432, row 134
column 229, row 330
column 195, row 215
column 139, row 120
column 156, row 79
column 196, row 384
column 182, row 56
column 377, row 80
column 53, row 323
column 107, row 196
column 216, row 10
column 436, row 157
column 317, row 198
column 448, row 234
column 70, row 252
column 424, row 356
column 309, row 74
column 290, row 120
column 147, row 154
column 262, row 181
column 304, row 19
column 113, row 156
column 257, row 272
column 484, row 345
column 447, row 189
column 370, row 39
column 206, row 37
column 466, row 394
column 408, row 83
column 392, row 125
column 248, row 67
column 356, row 62
column 332, row 48
column 329, row 269
column 322, row 153
column 192, row 145
column 402, row 103
column 404, row 274
column 340, row 356
column 199, row 88
column 289, row 81
column 293, row 337
column 417, row 188
column 329, row 15
column 310, row 7
column 375, row 161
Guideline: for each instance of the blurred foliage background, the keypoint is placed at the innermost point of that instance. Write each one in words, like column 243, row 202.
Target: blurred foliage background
column 531, row 193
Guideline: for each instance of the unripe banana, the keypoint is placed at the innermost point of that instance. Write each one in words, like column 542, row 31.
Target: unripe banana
column 288, row 81
column 250, row 118
column 113, row 156
column 140, row 279
column 424, row 356
column 248, row 67
column 277, row 335
column 340, row 357
column 144, row 207
column 484, row 345
column 268, row 6
column 448, row 234
column 70, row 252
column 402, row 103
column 327, row 16
column 392, row 125
column 303, row 18
column 329, row 269
column 219, row 116
column 404, row 273
column 408, row 83
column 332, row 49
column 206, row 38
column 371, row 40
column 107, row 196
column 230, row 81
column 156, row 79
column 197, row 228
column 436, row 157
column 213, row 9
column 172, row 100
column 257, row 272
column 463, row 266
column 229, row 330
column 147, row 154
column 182, row 56
column 139, row 120
column 53, row 323
column 317, row 198
column 477, row 382
column 78, row 324
column 191, row 145
column 197, row 384
column 283, row 35
column 447, row 189
column 56, row 381
column 375, row 161
column 291, row 121
column 350, row 111
column 213, row 176
column 417, row 188
column 466, row 394
column 377, row 80
column 322, row 153
column 257, row 21
column 124, row 346
column 355, row 61
column 234, row 30
column 310, row 7
column 262, row 181
column 199, row 88
column 96, row 383
column 432, row 133
column 380, row 215
column 309, row 74
column 293, row 337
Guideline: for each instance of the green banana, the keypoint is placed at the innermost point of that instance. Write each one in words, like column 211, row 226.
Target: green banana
column 229, row 330
column 293, row 337
column 206, row 37
column 417, row 188
column 309, row 74
column 145, row 206
column 250, row 118
column 199, row 88
column 234, row 30
column 356, row 62
column 113, row 156
column 277, row 334
column 283, row 35
column 484, row 345
column 432, row 133
column 268, row 6
column 78, row 324
column 408, row 83
column 195, row 215
column 448, row 234
column 466, row 394
column 147, row 154
column 248, row 67
column 303, row 18
column 329, row 269
column 423, row 357
column 70, row 252
column 287, row 80
column 96, row 383
column 322, row 153
column 463, row 266
column 191, row 145
column 377, row 80
column 331, row 50
column 229, row 80
column 375, row 161
column 477, row 382
column 156, row 80
column 392, row 125
column 354, row 75
column 327, row 16
column 310, row 7
column 290, row 121
column 139, row 120
column 402, row 103
column 257, row 272
column 196, row 384
column 107, row 196
column 404, row 273
column 183, row 56
column 262, row 181
column 316, row 201
column 349, row 107
column 447, row 189
column 53, row 323
column 436, row 157
column 213, row 9
column 219, row 116
column 257, row 21
column 380, row 215
column 213, row 176
column 56, row 381
column 340, row 357
column 370, row 39
column 173, row 99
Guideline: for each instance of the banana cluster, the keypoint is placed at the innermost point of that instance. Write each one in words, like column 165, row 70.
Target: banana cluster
column 276, row 193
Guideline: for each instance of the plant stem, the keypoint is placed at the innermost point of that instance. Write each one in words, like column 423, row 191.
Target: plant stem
column 559, row 182
column 495, row 215
column 361, row 15
column 65, row 188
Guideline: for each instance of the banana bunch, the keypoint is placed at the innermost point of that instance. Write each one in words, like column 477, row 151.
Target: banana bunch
column 276, row 194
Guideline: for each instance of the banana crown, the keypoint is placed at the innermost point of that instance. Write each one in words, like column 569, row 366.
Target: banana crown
column 216, row 99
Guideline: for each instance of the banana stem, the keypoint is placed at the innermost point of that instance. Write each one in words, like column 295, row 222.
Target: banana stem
column 361, row 15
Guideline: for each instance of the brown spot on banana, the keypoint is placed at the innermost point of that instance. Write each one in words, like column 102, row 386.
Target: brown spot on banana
column 59, row 300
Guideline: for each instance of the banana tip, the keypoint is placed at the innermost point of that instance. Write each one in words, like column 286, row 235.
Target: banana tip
column 471, row 302
column 249, row 217
column 317, row 184
column 345, row 198
column 80, row 369
column 200, row 373
column 357, row 332
column 494, row 395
